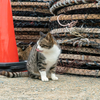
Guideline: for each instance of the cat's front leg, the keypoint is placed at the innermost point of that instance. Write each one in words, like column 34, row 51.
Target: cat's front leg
column 42, row 67
column 42, row 70
column 52, row 71
column 54, row 77
column 43, row 75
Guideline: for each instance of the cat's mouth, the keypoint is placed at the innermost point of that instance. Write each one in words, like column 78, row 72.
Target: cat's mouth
column 39, row 50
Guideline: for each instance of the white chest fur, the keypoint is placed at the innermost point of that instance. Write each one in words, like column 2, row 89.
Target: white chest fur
column 52, row 55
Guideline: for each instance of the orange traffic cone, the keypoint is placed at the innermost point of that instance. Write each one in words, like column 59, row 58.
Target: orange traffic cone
column 8, row 48
column 9, row 60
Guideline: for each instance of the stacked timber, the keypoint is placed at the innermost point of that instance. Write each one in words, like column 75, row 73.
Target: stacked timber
column 76, row 26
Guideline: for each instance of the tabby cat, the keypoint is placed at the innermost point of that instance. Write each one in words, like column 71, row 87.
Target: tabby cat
column 42, row 59
column 23, row 55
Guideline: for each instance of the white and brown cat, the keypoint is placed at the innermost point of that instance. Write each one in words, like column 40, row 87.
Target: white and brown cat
column 42, row 60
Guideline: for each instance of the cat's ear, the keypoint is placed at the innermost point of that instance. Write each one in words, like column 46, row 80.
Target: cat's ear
column 42, row 34
column 49, row 37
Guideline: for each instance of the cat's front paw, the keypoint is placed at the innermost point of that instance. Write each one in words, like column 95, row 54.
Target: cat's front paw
column 44, row 79
column 54, row 77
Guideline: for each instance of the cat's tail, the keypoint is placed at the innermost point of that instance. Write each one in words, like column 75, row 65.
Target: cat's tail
column 14, row 74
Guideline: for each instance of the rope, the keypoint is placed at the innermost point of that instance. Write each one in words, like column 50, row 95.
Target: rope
column 73, row 23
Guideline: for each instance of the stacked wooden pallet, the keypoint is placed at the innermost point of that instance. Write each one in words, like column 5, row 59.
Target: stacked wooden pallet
column 78, row 20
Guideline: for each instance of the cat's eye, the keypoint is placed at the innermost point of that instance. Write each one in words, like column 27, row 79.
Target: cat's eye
column 42, row 45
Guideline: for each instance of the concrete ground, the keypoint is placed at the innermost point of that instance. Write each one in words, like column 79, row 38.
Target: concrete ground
column 68, row 87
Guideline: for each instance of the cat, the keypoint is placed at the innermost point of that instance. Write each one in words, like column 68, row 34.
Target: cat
column 42, row 60
column 23, row 55
column 19, row 49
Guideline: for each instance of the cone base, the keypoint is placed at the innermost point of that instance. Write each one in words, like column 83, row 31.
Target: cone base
column 14, row 66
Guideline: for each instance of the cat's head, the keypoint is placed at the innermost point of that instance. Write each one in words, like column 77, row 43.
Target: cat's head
column 46, row 42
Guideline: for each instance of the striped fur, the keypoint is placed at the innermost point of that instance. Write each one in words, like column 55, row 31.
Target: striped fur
column 14, row 74
column 42, row 60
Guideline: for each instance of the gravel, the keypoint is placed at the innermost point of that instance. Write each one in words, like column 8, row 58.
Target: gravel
column 68, row 87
